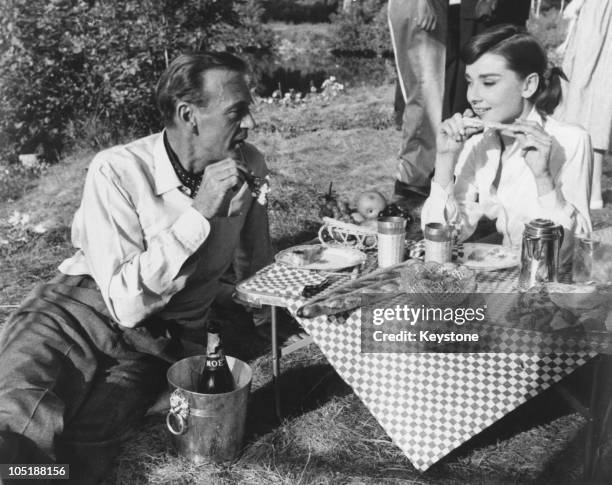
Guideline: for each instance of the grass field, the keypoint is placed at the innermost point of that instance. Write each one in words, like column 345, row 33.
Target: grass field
column 327, row 436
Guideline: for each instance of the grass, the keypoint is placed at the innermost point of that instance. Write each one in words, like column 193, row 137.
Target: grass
column 327, row 436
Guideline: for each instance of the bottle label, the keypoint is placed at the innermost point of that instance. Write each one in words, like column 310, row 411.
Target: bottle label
column 215, row 363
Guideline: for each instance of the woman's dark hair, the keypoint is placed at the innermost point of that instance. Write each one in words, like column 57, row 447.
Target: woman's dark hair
column 524, row 55
column 184, row 77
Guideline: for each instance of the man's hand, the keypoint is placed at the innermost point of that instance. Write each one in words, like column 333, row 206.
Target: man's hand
column 426, row 17
column 220, row 183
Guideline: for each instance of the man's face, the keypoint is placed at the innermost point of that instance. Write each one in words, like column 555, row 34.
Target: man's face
column 225, row 122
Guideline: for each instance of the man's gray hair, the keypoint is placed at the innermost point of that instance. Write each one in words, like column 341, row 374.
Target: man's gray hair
column 183, row 80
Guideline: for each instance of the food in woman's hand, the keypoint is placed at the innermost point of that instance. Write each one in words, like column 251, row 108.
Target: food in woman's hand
column 370, row 203
column 479, row 123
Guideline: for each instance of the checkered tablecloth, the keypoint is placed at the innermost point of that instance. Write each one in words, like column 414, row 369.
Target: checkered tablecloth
column 429, row 404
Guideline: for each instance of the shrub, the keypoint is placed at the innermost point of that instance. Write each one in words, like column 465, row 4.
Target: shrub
column 550, row 29
column 363, row 30
column 299, row 11
column 75, row 69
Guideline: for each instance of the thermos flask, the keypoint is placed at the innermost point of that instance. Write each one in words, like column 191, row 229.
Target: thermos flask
column 540, row 252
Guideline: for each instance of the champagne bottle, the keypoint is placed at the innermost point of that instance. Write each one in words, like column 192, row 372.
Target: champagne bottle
column 216, row 377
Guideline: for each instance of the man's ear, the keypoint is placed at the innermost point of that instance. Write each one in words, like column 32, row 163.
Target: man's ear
column 186, row 116
column 530, row 85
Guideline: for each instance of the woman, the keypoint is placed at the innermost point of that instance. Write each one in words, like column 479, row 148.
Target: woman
column 536, row 167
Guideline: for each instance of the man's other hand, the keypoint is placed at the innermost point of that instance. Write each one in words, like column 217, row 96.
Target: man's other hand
column 426, row 16
column 220, row 183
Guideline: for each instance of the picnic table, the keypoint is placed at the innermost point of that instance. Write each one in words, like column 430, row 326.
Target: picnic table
column 428, row 403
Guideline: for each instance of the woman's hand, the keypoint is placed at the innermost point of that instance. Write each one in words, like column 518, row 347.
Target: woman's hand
column 450, row 140
column 453, row 133
column 535, row 146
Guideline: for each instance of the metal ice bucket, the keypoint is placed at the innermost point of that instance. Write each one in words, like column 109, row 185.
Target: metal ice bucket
column 207, row 427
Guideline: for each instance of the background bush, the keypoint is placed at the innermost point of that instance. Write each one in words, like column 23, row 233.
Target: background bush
column 83, row 70
column 363, row 30
column 299, row 11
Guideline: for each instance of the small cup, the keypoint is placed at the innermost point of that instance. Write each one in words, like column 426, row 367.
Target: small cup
column 391, row 240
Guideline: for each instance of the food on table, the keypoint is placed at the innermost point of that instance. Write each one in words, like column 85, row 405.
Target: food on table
column 357, row 217
column 370, row 224
column 336, row 232
column 303, row 256
column 433, row 277
column 370, row 204
column 393, row 210
column 497, row 253
column 558, row 306
column 332, row 207
column 379, row 285
column 439, row 285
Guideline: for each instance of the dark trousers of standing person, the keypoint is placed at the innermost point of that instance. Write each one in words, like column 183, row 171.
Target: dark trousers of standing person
column 73, row 383
column 464, row 23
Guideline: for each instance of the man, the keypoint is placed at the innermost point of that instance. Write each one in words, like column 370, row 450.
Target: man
column 161, row 221
column 418, row 33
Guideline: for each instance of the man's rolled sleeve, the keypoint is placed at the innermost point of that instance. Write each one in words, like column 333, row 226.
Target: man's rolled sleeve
column 191, row 229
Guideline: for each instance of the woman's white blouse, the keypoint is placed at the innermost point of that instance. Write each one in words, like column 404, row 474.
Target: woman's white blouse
column 515, row 201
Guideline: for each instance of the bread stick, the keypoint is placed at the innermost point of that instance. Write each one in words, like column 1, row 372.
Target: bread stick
column 479, row 123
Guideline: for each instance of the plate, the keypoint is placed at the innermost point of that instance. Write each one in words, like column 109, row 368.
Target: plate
column 488, row 257
column 330, row 258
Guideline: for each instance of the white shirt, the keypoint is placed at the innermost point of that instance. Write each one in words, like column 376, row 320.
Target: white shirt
column 515, row 202
column 147, row 248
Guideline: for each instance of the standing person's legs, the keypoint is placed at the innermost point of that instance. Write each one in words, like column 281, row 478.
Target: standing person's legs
column 596, row 198
column 67, row 376
column 453, row 61
column 420, row 59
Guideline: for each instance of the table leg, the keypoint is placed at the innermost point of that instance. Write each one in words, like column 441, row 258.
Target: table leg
column 598, row 427
column 276, row 364
column 590, row 444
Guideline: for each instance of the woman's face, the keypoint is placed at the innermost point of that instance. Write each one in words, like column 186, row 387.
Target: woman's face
column 495, row 92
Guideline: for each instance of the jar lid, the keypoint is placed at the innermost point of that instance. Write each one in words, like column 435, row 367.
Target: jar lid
column 542, row 228
column 436, row 231
column 391, row 225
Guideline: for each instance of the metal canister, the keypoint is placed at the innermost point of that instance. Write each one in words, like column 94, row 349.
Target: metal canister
column 540, row 252
column 438, row 242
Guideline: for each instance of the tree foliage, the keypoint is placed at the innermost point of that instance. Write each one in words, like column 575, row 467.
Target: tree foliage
column 363, row 29
column 85, row 70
